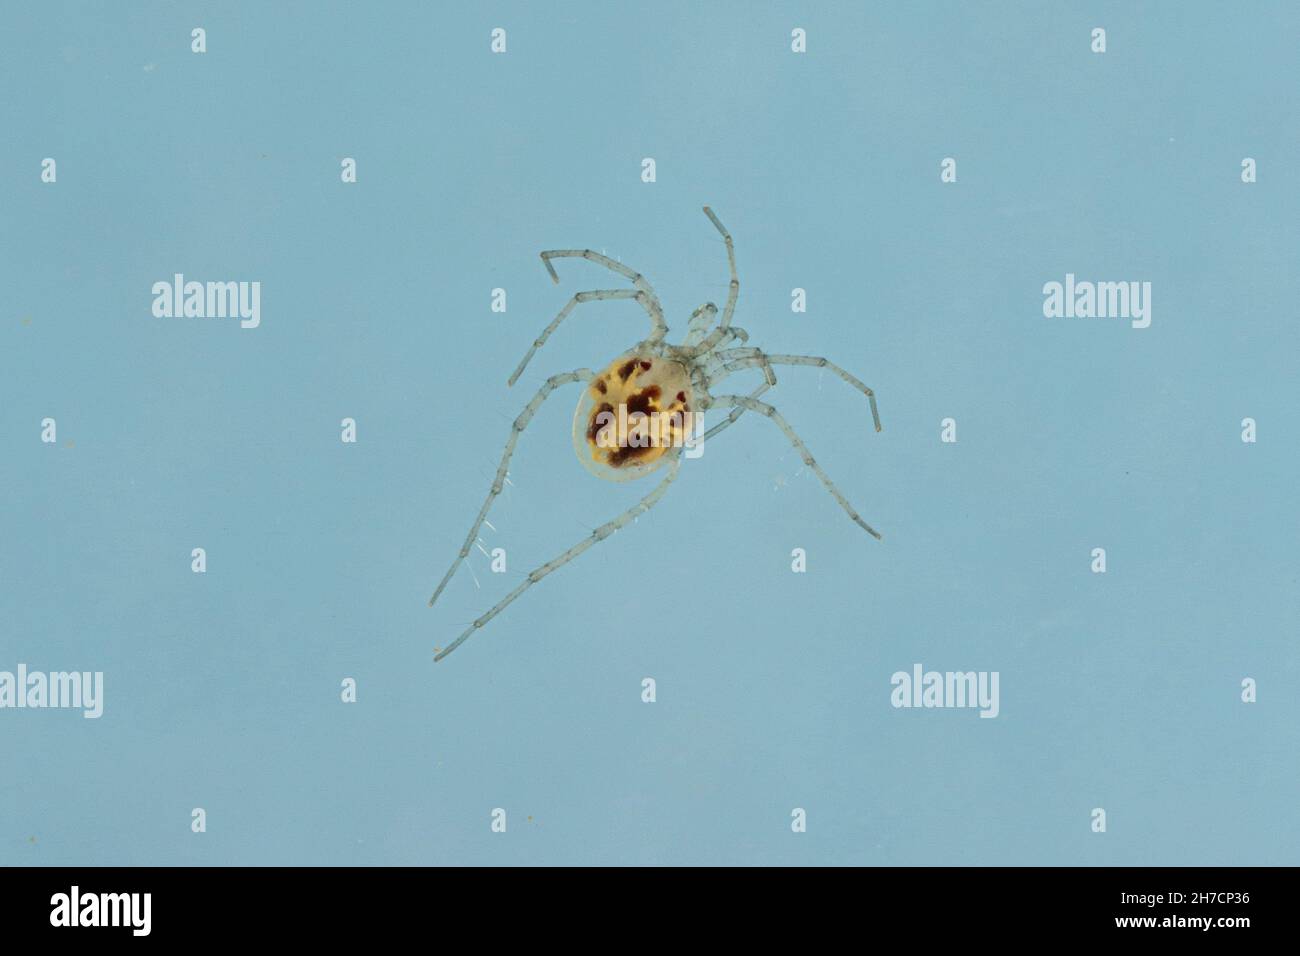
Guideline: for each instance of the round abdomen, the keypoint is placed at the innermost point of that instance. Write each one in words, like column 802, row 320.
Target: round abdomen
column 633, row 417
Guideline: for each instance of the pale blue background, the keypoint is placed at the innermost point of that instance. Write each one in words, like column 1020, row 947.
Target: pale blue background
column 222, row 690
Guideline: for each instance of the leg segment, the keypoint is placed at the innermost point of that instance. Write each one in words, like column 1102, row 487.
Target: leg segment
column 756, row 359
column 659, row 328
column 734, row 334
column 735, row 412
column 550, row 385
column 595, row 295
column 716, row 359
column 721, row 365
column 736, row 359
column 765, row 409
column 600, row 534
column 699, row 323
column 733, row 290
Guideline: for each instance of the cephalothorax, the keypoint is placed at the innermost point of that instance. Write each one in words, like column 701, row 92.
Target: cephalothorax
column 639, row 413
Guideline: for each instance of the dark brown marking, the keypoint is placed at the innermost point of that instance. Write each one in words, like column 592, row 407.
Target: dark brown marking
column 624, row 454
column 594, row 427
column 601, row 386
column 643, row 401
column 681, row 396
column 645, row 366
column 625, row 370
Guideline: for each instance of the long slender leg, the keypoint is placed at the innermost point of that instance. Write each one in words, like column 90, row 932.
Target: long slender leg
column 733, row 290
column 600, row 534
column 736, row 359
column 765, row 409
column 650, row 303
column 595, row 295
column 550, row 385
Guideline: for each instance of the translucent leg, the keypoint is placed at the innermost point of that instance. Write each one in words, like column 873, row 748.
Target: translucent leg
column 550, row 385
column 769, row 379
column 733, row 290
column 765, row 409
column 600, row 534
column 595, row 295
column 658, row 327
column 736, row 359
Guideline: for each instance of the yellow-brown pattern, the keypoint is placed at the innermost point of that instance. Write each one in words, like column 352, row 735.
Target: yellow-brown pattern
column 655, row 395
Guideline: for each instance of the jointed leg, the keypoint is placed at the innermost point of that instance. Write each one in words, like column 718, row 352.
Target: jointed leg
column 735, row 413
column 596, row 295
column 769, row 379
column 736, row 359
column 659, row 328
column 550, row 385
column 733, row 290
column 721, row 364
column 600, row 534
column 764, row 409
column 734, row 334
column 699, row 323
